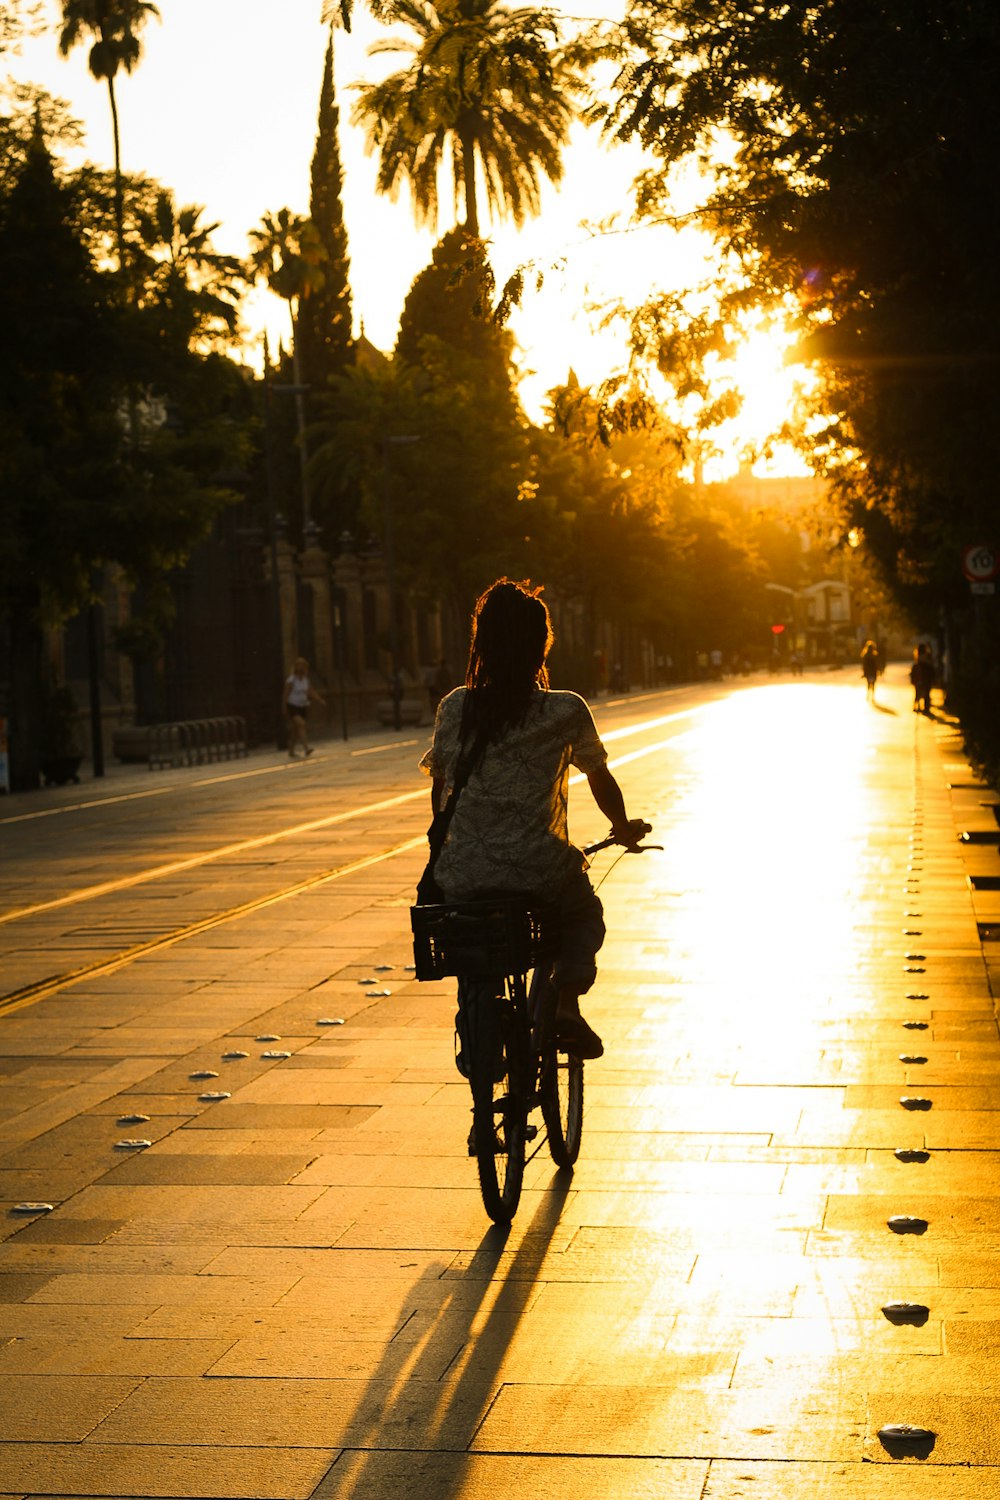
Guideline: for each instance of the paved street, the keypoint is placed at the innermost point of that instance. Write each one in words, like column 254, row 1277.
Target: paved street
column 293, row 1290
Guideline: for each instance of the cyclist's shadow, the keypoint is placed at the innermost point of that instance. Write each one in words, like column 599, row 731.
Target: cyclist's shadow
column 412, row 1407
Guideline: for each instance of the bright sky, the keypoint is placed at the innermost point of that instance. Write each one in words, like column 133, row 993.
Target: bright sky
column 222, row 109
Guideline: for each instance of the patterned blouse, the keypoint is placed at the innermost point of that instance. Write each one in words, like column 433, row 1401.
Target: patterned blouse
column 509, row 831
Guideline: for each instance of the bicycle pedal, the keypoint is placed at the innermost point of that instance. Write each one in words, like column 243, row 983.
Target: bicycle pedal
column 530, row 1131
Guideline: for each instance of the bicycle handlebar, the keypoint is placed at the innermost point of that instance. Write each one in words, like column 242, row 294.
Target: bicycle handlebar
column 628, row 848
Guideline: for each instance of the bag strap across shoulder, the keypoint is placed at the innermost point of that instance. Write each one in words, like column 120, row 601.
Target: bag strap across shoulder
column 438, row 831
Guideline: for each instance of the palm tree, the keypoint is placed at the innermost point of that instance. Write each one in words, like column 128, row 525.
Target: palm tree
column 183, row 272
column 115, row 25
column 488, row 84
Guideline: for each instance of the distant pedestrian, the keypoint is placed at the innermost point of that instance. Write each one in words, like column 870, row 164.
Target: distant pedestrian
column 298, row 695
column 869, row 667
column 922, row 677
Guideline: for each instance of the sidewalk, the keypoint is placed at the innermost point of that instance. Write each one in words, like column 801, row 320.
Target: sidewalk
column 294, row 1291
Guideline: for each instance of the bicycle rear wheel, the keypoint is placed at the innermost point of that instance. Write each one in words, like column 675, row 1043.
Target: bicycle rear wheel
column 498, row 1076
column 562, row 1105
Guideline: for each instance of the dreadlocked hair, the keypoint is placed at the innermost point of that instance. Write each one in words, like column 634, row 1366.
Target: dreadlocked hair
column 511, row 637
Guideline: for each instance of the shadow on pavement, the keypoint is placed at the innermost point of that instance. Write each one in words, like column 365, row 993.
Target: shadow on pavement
column 411, row 1369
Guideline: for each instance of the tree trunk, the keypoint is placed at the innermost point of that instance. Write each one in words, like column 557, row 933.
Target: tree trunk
column 119, row 194
column 469, row 182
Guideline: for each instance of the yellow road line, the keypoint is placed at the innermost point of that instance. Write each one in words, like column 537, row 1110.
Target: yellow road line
column 243, row 846
column 30, row 994
column 87, row 893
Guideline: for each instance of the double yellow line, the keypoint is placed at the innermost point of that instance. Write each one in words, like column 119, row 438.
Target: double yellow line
column 31, row 993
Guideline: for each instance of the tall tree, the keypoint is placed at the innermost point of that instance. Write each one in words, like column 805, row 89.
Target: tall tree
column 488, row 85
column 325, row 315
column 286, row 251
column 115, row 26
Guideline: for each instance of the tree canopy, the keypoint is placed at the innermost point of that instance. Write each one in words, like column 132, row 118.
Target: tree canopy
column 489, row 86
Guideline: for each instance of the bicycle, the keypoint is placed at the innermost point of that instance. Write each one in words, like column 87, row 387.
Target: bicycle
column 509, row 1049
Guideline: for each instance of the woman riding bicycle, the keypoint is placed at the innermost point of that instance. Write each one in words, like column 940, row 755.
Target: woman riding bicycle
column 509, row 828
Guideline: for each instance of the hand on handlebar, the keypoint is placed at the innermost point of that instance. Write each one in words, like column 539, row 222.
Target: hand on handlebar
column 631, row 833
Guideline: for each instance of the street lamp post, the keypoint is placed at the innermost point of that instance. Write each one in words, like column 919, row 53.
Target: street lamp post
column 396, row 687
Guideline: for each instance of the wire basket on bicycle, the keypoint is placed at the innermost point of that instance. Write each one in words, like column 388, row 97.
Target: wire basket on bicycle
column 491, row 936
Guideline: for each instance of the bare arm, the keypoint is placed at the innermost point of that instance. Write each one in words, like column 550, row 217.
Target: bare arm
column 608, row 796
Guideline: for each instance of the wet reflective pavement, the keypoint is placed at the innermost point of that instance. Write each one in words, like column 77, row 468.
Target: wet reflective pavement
column 774, row 1273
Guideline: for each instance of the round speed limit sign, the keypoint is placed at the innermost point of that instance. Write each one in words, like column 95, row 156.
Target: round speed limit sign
column 980, row 563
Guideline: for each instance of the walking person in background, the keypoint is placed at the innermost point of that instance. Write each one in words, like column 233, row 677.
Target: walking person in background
column 869, row 667
column 298, row 695
column 922, row 677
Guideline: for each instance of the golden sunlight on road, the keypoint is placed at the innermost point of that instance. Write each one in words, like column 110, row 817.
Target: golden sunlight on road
column 767, row 837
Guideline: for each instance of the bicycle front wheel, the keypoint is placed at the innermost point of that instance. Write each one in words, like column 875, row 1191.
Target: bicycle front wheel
column 562, row 1105
column 500, row 1111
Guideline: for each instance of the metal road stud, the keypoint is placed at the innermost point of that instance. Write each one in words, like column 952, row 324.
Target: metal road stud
column 906, row 1312
column 132, row 1119
column 32, row 1208
column 275, row 1056
column 907, row 1224
column 233, row 1055
column 135, row 1145
column 915, row 1101
column 214, row 1098
column 911, row 1058
column 203, row 1073
column 911, row 1154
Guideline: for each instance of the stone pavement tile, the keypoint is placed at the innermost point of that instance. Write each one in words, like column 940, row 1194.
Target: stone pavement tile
column 151, row 1169
column 825, row 1127
column 67, row 1355
column 349, row 1265
column 755, row 1150
column 768, row 1336
column 629, row 1145
column 471, row 1476
column 235, row 1142
column 957, row 1132
column 948, row 1099
column 57, row 1408
column 958, row 1269
column 195, row 1207
column 454, row 1171
column 950, row 1216
column 678, row 1177
column 189, row 1292
column 265, row 1118
column 50, row 1257
column 319, row 1086
column 290, row 1414
column 966, row 1428
column 55, row 1229
column 961, row 1172
column 134, row 1472
column 45, row 1320
column 661, row 1422
column 752, row 1217
column 386, row 1218
column 833, row 1280
column 18, row 1286
column 743, row 1480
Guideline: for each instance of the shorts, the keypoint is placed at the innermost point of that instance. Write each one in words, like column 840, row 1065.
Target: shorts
column 297, row 710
